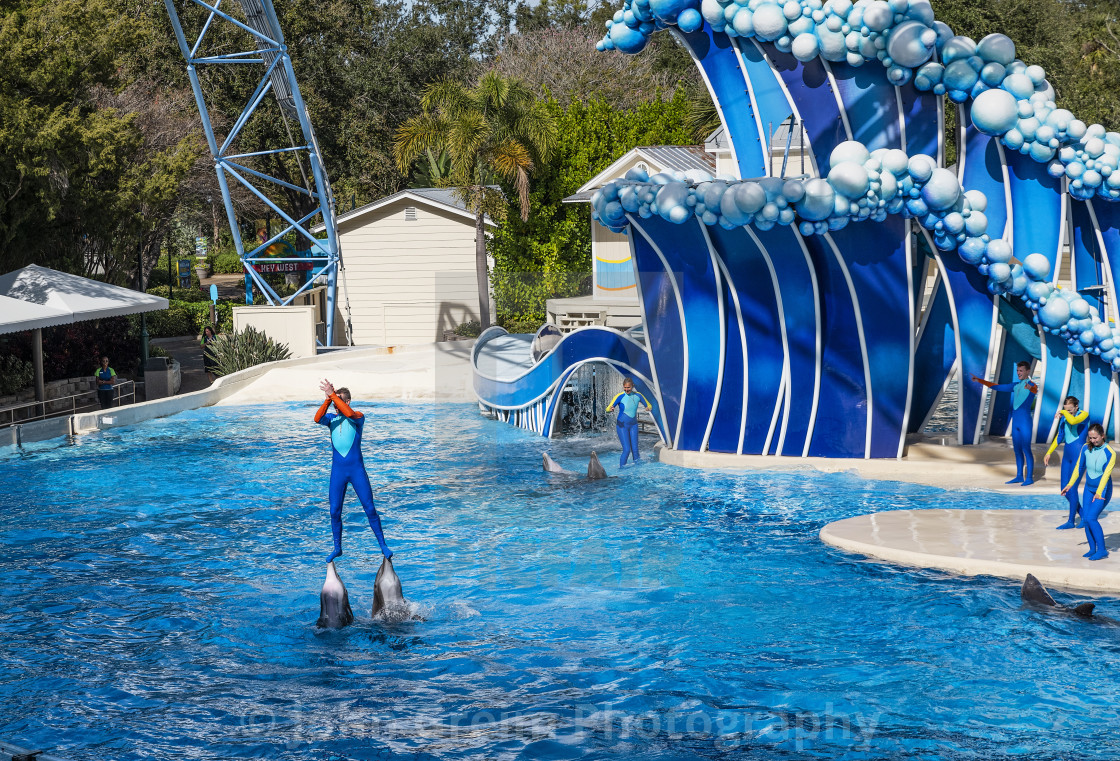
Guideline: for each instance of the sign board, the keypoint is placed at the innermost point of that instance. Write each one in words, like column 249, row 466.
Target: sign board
column 214, row 293
column 200, row 247
column 184, row 273
column 283, row 266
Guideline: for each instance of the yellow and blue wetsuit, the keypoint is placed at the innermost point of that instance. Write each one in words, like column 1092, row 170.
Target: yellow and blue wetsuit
column 1021, row 423
column 627, row 423
column 347, row 467
column 1072, row 431
column 1097, row 466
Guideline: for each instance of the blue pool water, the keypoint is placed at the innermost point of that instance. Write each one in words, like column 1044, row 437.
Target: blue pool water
column 160, row 592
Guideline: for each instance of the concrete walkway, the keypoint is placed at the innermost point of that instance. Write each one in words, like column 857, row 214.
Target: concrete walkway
column 1004, row 543
column 984, row 466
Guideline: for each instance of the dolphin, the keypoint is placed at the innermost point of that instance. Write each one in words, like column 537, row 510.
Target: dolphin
column 1034, row 592
column 334, row 603
column 387, row 593
column 551, row 466
column 595, row 468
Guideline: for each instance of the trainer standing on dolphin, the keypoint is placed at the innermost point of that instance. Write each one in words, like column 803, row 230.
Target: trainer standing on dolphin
column 347, row 466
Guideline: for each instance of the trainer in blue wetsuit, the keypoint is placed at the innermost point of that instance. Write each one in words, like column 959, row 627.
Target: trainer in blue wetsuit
column 1073, row 427
column 1023, row 391
column 347, row 467
column 1096, row 462
column 627, row 424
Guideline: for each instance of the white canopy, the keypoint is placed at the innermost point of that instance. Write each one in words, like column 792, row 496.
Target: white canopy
column 16, row 315
column 39, row 297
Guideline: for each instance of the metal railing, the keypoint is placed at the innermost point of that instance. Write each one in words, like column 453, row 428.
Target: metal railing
column 125, row 389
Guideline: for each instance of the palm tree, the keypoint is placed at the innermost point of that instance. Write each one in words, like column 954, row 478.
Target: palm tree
column 494, row 131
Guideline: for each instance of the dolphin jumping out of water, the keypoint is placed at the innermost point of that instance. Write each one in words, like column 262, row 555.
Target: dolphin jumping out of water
column 1034, row 592
column 387, row 593
column 595, row 468
column 334, row 602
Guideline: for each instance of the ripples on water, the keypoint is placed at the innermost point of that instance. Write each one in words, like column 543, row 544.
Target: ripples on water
column 160, row 593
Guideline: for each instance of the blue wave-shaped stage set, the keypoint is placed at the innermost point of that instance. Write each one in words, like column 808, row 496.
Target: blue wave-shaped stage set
column 784, row 316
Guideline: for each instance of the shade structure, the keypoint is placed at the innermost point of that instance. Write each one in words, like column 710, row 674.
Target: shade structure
column 16, row 315
column 39, row 297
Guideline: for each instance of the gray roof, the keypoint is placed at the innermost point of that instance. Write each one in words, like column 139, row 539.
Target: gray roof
column 441, row 196
column 681, row 158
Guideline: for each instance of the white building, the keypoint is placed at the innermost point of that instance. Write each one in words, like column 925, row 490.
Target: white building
column 409, row 264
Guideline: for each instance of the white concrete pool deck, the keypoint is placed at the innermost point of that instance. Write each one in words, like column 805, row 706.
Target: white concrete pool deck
column 1004, row 543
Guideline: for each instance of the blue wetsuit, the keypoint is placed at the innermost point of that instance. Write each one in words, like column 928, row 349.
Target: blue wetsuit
column 347, row 467
column 1097, row 465
column 627, row 423
column 1072, row 431
column 1022, row 422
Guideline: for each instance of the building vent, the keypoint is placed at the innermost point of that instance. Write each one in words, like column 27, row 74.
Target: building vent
column 410, row 214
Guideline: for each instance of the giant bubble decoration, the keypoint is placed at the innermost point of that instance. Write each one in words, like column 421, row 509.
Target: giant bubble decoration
column 1010, row 101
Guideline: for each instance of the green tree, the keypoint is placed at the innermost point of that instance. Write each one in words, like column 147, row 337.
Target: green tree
column 84, row 185
column 548, row 255
column 494, row 131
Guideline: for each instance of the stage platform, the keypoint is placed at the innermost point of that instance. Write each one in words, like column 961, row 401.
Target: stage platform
column 1004, row 543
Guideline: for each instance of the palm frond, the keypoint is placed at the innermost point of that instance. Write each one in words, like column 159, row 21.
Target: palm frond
column 417, row 135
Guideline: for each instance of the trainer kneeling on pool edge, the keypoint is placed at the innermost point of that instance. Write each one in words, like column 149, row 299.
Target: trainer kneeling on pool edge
column 1096, row 461
column 347, row 466
column 627, row 423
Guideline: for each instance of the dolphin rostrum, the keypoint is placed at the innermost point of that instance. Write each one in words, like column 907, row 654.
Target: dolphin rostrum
column 551, row 466
column 334, row 603
column 1034, row 592
column 387, row 594
column 595, row 468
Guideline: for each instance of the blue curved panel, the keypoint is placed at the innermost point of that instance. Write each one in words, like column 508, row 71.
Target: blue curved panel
column 717, row 57
column 770, row 101
column 871, row 104
column 1088, row 257
column 975, row 314
column 1021, row 343
column 934, row 356
column 813, row 97
column 879, row 265
column 575, row 348
column 841, row 424
column 799, row 305
column 750, row 276
column 1099, row 380
column 1036, row 204
column 919, row 114
column 686, row 251
column 729, row 406
column 1108, row 225
column 983, row 171
column 1053, row 384
column 664, row 329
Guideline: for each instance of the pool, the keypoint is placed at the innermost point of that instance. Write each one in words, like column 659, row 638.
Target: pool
column 161, row 581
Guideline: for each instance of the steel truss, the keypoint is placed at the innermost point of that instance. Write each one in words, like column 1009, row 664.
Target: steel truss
column 279, row 77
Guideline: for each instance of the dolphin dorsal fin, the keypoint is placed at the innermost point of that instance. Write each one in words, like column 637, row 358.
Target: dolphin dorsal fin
column 1084, row 609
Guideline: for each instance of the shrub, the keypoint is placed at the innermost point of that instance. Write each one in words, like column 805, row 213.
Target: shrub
column 521, row 324
column 71, row 351
column 226, row 263
column 236, row 351
column 15, row 374
column 180, row 294
column 185, row 318
column 470, row 329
